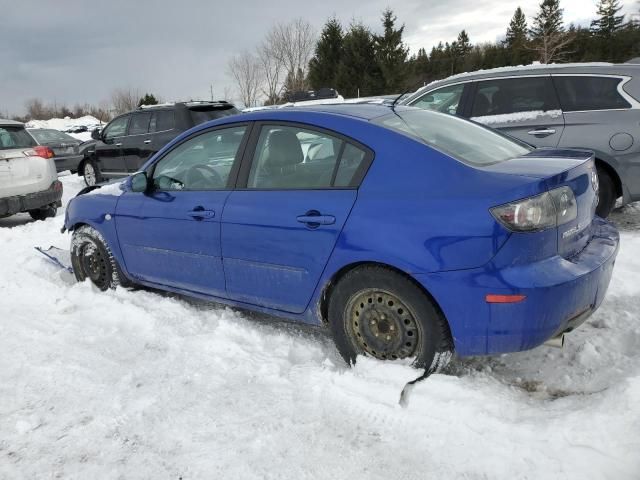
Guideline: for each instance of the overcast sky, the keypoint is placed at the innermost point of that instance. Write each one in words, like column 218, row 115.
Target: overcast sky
column 79, row 51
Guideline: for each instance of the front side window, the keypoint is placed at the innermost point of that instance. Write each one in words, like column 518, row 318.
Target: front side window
column 458, row 138
column 297, row 158
column 15, row 137
column 581, row 93
column 200, row 163
column 514, row 95
column 116, row 128
column 139, row 123
column 444, row 100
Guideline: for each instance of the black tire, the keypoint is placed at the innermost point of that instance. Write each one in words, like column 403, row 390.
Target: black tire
column 92, row 259
column 91, row 173
column 43, row 213
column 607, row 196
column 393, row 307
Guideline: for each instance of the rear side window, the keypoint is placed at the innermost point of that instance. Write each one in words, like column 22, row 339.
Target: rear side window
column 444, row 100
column 458, row 138
column 44, row 136
column 204, row 114
column 582, row 93
column 514, row 95
column 15, row 137
column 290, row 157
column 139, row 123
column 162, row 120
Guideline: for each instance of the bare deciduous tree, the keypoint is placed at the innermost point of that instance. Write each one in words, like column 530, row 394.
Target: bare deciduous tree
column 292, row 45
column 246, row 72
column 124, row 100
column 552, row 47
column 271, row 72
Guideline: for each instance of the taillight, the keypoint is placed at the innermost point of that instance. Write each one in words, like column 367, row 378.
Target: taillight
column 40, row 151
column 550, row 209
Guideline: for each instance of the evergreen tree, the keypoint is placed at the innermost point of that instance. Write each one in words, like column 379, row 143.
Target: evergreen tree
column 463, row 44
column 359, row 72
column 517, row 31
column 323, row 67
column 148, row 99
column 609, row 22
column 391, row 53
column 548, row 35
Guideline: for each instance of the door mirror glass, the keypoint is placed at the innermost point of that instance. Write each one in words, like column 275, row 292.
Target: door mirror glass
column 139, row 182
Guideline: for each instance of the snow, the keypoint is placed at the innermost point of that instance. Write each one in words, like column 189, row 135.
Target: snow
column 113, row 189
column 517, row 117
column 138, row 384
column 65, row 123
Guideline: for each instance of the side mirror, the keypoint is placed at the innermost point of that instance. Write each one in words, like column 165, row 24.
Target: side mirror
column 139, row 182
column 95, row 134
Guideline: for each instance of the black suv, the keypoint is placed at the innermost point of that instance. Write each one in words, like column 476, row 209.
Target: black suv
column 129, row 140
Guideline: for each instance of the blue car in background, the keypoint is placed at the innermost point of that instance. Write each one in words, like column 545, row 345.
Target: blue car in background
column 408, row 233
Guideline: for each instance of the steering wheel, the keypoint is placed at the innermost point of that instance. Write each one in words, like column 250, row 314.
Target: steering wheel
column 203, row 176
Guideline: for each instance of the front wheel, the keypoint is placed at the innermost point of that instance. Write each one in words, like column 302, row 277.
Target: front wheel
column 91, row 259
column 91, row 173
column 380, row 313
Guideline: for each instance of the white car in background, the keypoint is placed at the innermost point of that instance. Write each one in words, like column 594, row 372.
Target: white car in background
column 28, row 178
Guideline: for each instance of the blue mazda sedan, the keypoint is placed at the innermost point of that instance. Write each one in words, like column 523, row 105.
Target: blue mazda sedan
column 407, row 233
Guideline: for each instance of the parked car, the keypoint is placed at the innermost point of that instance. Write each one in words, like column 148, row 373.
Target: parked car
column 28, row 177
column 65, row 147
column 593, row 106
column 408, row 233
column 129, row 140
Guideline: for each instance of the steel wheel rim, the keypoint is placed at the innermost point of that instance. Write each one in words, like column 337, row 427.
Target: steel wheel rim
column 89, row 174
column 382, row 326
column 94, row 264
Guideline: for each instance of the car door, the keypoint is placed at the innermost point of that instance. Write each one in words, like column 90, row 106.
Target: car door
column 136, row 146
column 170, row 235
column 108, row 152
column 279, row 227
column 523, row 107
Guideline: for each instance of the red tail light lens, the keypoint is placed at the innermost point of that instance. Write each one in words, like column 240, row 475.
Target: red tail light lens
column 40, row 151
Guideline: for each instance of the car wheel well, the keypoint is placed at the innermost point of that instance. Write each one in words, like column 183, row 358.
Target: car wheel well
column 612, row 173
column 326, row 293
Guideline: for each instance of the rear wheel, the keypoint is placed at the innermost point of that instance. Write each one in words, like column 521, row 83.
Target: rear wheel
column 380, row 313
column 43, row 213
column 607, row 195
column 91, row 259
column 91, row 173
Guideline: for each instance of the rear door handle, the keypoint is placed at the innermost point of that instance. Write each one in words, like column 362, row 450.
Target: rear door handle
column 315, row 220
column 200, row 213
column 147, row 142
column 118, row 144
column 542, row 131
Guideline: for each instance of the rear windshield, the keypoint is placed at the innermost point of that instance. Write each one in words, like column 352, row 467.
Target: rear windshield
column 204, row 114
column 15, row 137
column 51, row 136
column 458, row 138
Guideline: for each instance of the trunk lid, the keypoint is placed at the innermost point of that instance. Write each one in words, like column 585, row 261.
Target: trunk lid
column 558, row 168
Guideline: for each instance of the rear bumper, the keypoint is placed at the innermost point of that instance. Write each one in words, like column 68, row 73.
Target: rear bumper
column 68, row 163
column 560, row 295
column 31, row 201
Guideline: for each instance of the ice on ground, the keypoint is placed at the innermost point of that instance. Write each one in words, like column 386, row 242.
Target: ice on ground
column 139, row 385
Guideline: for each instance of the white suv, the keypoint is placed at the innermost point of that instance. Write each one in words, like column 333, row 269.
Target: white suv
column 28, row 178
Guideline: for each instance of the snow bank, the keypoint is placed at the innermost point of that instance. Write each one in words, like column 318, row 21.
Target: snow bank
column 137, row 385
column 65, row 123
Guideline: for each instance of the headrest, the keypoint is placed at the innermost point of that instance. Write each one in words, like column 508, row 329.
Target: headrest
column 283, row 149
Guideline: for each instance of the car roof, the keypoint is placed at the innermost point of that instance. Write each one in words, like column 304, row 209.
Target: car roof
column 11, row 123
column 363, row 111
column 537, row 69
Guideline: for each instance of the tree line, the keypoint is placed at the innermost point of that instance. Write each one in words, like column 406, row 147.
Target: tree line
column 358, row 61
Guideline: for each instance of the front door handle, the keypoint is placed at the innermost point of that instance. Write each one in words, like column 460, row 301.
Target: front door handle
column 543, row 131
column 147, row 142
column 118, row 144
column 314, row 220
column 199, row 213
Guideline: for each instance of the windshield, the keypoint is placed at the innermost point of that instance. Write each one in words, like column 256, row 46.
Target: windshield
column 458, row 138
column 51, row 136
column 15, row 137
